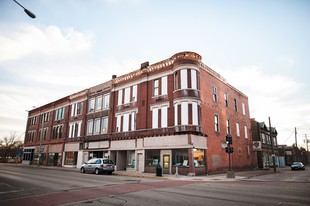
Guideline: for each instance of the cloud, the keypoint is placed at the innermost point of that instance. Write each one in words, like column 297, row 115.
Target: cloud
column 123, row 1
column 287, row 61
column 260, row 83
column 47, row 40
column 273, row 96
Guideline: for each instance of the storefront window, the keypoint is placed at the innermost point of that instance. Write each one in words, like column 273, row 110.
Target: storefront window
column 71, row 158
column 131, row 162
column 152, row 157
column 54, row 159
column 180, row 157
column 28, row 154
column 198, row 157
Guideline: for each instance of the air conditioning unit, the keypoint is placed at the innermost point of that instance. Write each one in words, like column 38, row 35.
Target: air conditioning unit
column 257, row 145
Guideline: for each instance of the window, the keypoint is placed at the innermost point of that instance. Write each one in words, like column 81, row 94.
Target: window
column 30, row 136
column 134, row 93
column 176, row 81
column 75, row 129
column 263, row 136
column 71, row 158
column 236, row 106
column 184, row 115
column 32, row 120
column 90, row 125
column 216, row 123
column 243, row 108
column 120, row 97
column 226, row 99
column 133, row 121
column 59, row 114
column 162, row 119
column 184, row 79
column 198, row 157
column 164, row 85
column 97, row 126
column 127, row 95
column 186, row 112
column 118, row 123
column 164, row 116
column 57, row 132
column 214, row 88
column 76, row 109
column 155, row 118
column 237, row 129
column 274, row 141
column 44, row 117
column 180, row 157
column 98, row 103
column 194, row 84
column 126, row 122
column 268, row 139
column 152, row 157
column 195, row 113
column 42, row 134
column 155, row 87
column 245, row 132
column 106, row 101
column 104, row 125
column 176, row 122
column 91, row 107
column 227, row 126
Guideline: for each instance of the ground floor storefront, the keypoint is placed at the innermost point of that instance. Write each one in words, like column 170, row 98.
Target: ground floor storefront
column 182, row 154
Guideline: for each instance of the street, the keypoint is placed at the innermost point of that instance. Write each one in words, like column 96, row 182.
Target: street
column 22, row 185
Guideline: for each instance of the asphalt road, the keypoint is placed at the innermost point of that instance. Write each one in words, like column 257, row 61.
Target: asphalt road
column 21, row 185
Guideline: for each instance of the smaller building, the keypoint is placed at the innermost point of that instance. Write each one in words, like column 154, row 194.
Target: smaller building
column 265, row 145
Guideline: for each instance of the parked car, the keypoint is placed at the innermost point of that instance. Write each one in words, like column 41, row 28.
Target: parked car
column 297, row 166
column 98, row 165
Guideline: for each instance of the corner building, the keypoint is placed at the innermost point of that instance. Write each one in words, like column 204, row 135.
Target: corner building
column 175, row 113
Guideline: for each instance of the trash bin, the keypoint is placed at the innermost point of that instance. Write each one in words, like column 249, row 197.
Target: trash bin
column 159, row 171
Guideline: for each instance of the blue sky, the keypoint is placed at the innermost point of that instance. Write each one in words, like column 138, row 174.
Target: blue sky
column 260, row 47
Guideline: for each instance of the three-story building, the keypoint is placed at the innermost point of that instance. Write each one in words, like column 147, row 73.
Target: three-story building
column 174, row 113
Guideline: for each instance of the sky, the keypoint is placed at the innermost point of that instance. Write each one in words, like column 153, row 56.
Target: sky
column 261, row 47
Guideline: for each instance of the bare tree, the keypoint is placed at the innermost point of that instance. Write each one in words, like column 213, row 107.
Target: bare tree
column 9, row 146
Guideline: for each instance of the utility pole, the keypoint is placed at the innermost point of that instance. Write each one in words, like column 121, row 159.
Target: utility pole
column 295, row 144
column 307, row 147
column 272, row 149
column 295, row 137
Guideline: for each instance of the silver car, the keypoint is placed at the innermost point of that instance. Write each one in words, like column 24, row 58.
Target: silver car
column 98, row 165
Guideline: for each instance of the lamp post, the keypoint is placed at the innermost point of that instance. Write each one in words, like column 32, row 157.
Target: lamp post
column 29, row 13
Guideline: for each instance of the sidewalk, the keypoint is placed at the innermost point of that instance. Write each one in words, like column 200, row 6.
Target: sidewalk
column 239, row 175
column 213, row 177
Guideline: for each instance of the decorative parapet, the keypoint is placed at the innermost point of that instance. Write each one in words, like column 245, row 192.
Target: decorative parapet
column 78, row 94
column 168, row 62
column 212, row 72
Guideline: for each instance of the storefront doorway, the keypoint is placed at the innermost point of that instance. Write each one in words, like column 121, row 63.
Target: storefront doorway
column 166, row 164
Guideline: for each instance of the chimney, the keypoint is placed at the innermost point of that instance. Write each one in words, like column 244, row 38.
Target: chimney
column 145, row 65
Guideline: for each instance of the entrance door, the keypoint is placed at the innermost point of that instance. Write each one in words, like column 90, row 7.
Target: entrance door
column 139, row 162
column 166, row 164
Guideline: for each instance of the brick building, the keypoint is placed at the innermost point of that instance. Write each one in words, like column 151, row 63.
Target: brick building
column 265, row 145
column 175, row 113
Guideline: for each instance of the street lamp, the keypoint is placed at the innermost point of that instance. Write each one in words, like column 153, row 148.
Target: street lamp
column 29, row 13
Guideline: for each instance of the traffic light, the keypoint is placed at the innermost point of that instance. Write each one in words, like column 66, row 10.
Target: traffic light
column 227, row 149
column 231, row 150
column 228, row 139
